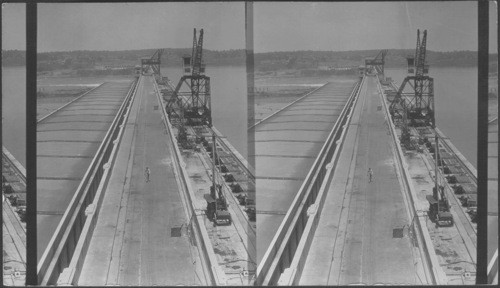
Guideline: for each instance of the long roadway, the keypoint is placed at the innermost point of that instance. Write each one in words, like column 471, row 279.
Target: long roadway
column 140, row 236
column 355, row 241
column 66, row 143
column 286, row 145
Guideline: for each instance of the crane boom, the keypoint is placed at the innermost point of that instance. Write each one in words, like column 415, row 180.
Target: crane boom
column 193, row 50
column 415, row 107
column 198, row 49
column 193, row 98
column 420, row 57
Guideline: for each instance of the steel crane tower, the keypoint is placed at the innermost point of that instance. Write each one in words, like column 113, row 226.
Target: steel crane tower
column 416, row 106
column 190, row 101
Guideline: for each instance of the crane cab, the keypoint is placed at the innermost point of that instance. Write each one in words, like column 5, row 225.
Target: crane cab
column 186, row 64
column 410, row 60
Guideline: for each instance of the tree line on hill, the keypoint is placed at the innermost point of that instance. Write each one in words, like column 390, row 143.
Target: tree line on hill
column 263, row 61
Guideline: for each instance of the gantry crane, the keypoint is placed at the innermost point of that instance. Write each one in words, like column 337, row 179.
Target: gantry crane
column 152, row 63
column 377, row 63
column 415, row 107
column 190, row 101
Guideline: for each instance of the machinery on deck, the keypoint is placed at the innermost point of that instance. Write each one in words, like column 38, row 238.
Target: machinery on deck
column 416, row 107
column 137, row 70
column 439, row 209
column 217, row 207
column 190, row 101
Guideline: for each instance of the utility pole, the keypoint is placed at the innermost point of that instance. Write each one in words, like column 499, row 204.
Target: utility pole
column 436, row 153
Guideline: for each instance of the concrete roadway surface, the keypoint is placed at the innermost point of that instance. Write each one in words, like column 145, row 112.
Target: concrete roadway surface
column 133, row 243
column 354, row 241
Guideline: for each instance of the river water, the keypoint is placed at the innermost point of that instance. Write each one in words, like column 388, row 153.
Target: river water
column 14, row 111
column 455, row 92
column 229, row 101
column 228, row 91
column 455, row 100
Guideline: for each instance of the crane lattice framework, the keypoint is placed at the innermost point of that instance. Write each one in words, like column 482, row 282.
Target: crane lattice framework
column 190, row 101
column 154, row 62
column 377, row 63
column 416, row 107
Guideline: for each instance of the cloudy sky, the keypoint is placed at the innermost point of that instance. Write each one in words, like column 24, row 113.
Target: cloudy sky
column 358, row 26
column 124, row 26
column 13, row 26
column 278, row 26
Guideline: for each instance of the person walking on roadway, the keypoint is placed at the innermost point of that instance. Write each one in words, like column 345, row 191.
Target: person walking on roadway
column 147, row 172
column 370, row 174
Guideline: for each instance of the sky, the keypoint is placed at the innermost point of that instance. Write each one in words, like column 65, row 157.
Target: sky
column 278, row 26
column 128, row 26
column 359, row 26
column 13, row 26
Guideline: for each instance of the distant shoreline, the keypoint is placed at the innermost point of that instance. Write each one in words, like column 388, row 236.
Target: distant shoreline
column 396, row 58
column 244, row 65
